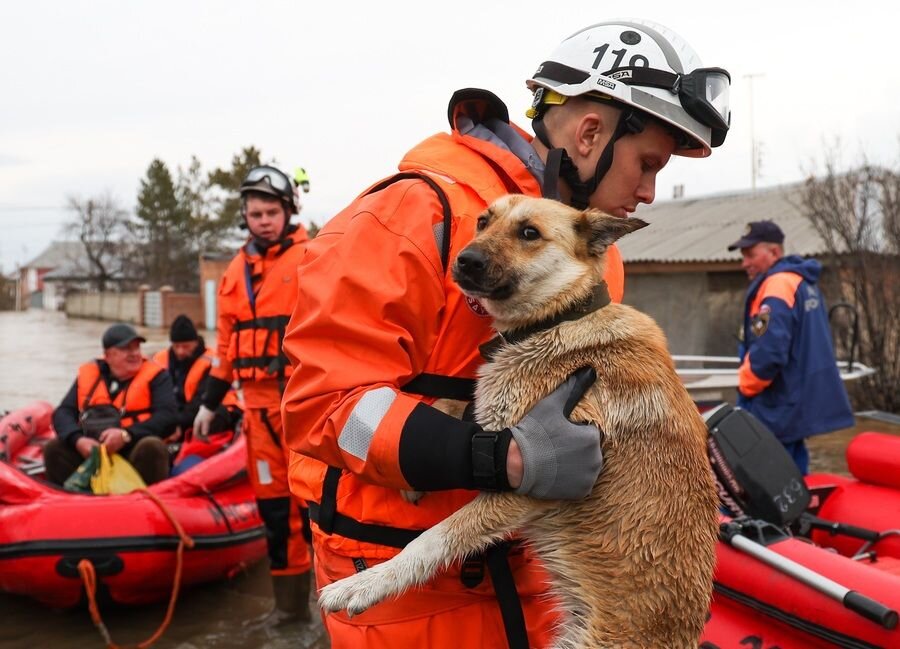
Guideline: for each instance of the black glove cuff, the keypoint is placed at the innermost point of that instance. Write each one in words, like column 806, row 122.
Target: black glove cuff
column 489, row 451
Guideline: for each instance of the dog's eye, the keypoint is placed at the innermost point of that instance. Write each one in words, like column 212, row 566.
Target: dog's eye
column 530, row 233
column 481, row 223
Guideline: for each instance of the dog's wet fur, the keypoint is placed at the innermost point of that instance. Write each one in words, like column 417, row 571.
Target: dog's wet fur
column 632, row 564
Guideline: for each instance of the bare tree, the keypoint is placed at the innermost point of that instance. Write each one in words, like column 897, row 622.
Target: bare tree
column 857, row 214
column 101, row 225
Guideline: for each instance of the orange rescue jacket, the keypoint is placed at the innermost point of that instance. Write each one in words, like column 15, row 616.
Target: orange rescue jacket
column 134, row 402
column 256, row 298
column 377, row 309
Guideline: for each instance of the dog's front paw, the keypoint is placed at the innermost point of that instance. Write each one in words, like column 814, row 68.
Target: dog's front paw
column 356, row 593
column 412, row 497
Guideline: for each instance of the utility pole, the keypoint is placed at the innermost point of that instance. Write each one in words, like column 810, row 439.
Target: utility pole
column 754, row 145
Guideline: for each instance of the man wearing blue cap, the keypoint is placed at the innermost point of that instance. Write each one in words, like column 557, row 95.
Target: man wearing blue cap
column 788, row 375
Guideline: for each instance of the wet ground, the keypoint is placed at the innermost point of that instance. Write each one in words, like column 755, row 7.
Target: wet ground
column 39, row 356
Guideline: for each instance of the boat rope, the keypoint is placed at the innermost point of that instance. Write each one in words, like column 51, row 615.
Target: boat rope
column 89, row 577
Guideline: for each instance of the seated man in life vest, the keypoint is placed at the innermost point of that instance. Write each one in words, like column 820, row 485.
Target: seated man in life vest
column 188, row 361
column 123, row 401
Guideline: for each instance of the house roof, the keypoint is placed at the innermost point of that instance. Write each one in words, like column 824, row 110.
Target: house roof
column 69, row 260
column 54, row 254
column 701, row 229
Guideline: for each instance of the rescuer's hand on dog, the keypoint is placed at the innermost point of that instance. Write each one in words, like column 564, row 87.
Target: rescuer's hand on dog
column 559, row 458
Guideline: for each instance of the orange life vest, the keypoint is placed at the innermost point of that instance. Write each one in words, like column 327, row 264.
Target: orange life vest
column 198, row 371
column 133, row 402
column 256, row 298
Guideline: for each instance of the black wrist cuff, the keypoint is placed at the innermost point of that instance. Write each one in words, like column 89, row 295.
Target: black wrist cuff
column 489, row 451
column 216, row 389
column 436, row 450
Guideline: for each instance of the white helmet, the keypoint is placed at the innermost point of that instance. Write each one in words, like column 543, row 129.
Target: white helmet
column 644, row 65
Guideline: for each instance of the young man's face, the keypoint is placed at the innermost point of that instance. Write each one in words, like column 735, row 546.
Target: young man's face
column 265, row 218
column 631, row 180
column 759, row 258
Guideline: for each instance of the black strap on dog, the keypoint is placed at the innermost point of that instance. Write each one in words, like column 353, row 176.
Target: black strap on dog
column 598, row 299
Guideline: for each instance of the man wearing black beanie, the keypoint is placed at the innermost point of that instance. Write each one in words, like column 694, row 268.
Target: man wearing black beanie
column 189, row 362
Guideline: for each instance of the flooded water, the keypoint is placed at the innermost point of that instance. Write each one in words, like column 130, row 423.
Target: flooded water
column 39, row 356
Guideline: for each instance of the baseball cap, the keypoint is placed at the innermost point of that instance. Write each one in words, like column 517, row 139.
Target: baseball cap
column 119, row 335
column 757, row 232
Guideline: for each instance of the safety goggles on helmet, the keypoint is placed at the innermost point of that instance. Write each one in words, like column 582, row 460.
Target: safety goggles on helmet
column 275, row 179
column 703, row 93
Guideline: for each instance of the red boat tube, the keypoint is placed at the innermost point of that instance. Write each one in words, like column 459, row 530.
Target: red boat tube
column 24, row 432
column 45, row 532
column 757, row 605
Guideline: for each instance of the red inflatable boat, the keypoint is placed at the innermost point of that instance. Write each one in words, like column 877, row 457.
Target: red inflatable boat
column 758, row 606
column 23, row 434
column 132, row 540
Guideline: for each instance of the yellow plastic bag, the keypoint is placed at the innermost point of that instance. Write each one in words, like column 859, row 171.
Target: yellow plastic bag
column 115, row 475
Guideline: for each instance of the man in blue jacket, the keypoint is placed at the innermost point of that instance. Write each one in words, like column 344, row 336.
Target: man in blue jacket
column 788, row 376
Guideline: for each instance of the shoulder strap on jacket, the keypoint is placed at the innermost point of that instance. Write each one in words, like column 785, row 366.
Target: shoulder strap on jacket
column 442, row 197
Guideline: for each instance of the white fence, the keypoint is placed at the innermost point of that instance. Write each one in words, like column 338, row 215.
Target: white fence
column 120, row 307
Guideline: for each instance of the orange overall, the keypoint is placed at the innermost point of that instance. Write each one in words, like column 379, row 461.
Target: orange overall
column 256, row 297
column 379, row 329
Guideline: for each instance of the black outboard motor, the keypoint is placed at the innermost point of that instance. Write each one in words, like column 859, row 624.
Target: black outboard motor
column 754, row 474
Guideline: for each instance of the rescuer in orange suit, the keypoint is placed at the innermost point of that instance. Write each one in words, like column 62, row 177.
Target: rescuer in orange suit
column 256, row 297
column 380, row 331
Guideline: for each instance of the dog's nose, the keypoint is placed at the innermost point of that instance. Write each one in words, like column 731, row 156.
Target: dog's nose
column 471, row 262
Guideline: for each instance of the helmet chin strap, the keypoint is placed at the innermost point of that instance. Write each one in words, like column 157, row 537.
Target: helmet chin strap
column 284, row 241
column 560, row 165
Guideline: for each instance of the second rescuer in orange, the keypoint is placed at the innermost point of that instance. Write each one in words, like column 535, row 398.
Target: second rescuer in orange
column 256, row 298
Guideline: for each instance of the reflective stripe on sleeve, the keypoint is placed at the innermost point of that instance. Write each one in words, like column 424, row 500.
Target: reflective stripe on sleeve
column 359, row 429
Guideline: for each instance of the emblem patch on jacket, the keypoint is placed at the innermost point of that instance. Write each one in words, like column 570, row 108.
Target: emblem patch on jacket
column 760, row 322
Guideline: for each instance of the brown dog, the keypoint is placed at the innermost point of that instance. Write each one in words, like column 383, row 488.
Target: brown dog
column 632, row 564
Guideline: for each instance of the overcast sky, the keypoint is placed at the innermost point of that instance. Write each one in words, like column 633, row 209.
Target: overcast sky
column 91, row 92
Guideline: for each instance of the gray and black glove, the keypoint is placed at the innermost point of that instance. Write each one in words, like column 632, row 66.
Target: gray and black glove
column 561, row 459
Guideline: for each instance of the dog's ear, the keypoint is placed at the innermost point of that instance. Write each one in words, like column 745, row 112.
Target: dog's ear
column 604, row 230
